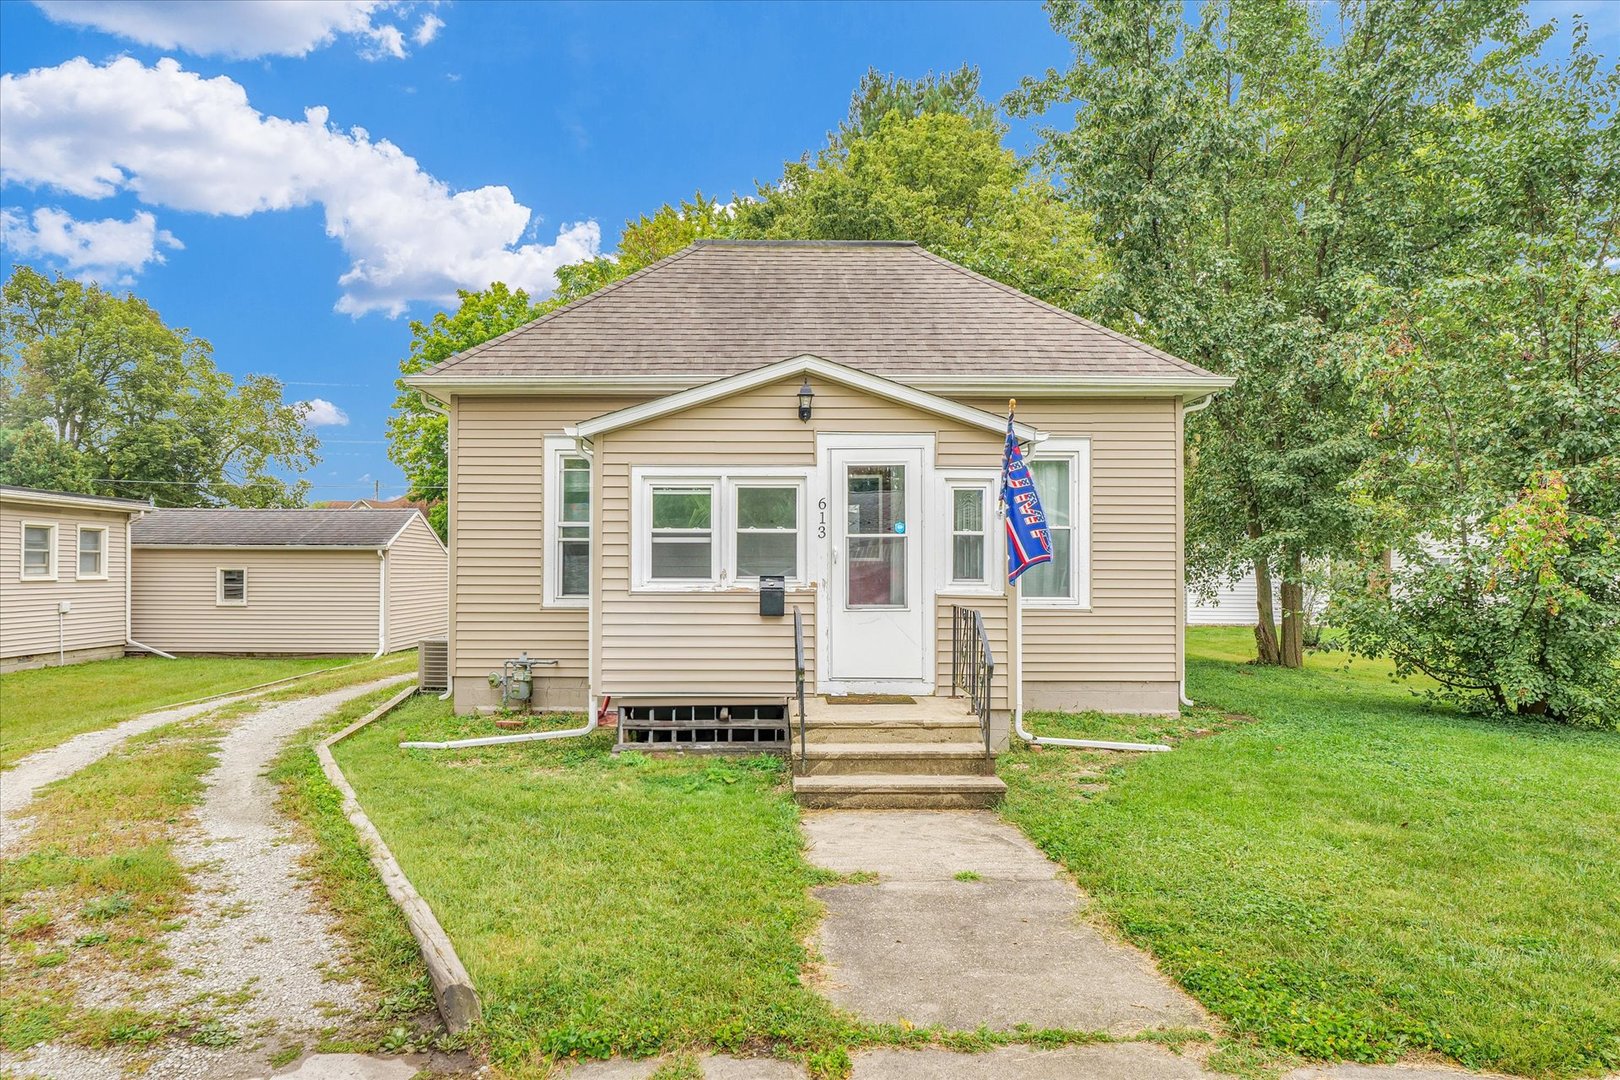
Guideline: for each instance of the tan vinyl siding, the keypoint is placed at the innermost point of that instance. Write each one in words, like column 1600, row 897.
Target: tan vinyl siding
column 1123, row 653
column 654, row 642
column 418, row 574
column 996, row 611
column 498, row 534
column 28, row 609
column 299, row 602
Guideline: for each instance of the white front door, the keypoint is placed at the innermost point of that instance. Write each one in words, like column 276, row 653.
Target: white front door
column 879, row 615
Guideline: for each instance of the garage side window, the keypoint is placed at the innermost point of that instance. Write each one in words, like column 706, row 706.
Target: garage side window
column 38, row 552
column 92, row 552
column 232, row 586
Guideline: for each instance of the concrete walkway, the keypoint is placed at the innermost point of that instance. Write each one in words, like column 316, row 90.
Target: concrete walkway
column 1007, row 949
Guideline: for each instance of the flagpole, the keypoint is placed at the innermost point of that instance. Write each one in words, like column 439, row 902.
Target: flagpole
column 1018, row 682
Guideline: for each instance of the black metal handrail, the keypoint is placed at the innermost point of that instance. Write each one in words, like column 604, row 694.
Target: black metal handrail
column 798, row 674
column 973, row 664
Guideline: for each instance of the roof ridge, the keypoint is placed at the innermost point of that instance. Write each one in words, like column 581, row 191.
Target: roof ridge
column 1065, row 312
column 613, row 286
column 729, row 241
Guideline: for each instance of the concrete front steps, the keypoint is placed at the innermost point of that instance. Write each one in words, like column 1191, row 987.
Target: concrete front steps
column 927, row 756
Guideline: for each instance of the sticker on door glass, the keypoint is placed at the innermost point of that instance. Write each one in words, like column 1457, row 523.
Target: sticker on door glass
column 900, row 527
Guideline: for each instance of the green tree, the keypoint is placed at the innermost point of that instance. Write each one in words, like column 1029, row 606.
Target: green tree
column 924, row 161
column 1243, row 171
column 98, row 395
column 1492, row 391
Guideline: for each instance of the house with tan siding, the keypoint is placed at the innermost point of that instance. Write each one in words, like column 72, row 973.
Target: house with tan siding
column 302, row 582
column 64, row 577
column 634, row 476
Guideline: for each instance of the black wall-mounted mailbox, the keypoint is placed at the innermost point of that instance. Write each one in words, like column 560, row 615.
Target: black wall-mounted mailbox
column 772, row 593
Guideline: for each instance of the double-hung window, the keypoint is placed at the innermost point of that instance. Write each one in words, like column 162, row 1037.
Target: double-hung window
column 38, row 552
column 92, row 552
column 1061, row 469
column 567, row 556
column 681, row 546
column 767, row 529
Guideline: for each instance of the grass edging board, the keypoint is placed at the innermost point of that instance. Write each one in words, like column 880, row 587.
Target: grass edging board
column 452, row 987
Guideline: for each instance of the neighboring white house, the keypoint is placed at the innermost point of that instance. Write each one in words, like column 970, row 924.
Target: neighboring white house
column 1234, row 604
column 64, row 576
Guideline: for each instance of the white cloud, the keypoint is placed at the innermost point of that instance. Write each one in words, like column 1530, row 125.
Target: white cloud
column 428, row 30
column 109, row 251
column 178, row 140
column 244, row 29
column 322, row 413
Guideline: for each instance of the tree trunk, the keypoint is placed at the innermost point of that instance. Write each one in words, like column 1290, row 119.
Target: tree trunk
column 1266, row 647
column 1293, row 610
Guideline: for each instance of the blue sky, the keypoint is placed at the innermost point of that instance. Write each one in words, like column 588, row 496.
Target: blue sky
column 177, row 158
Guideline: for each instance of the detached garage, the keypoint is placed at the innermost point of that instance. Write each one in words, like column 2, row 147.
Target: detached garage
column 287, row 581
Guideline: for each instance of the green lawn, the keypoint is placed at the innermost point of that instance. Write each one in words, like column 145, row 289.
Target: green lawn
column 602, row 904
column 1354, row 874
column 47, row 706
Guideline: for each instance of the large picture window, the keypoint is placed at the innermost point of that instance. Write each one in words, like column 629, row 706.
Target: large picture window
column 1061, row 469
column 701, row 529
column 568, row 516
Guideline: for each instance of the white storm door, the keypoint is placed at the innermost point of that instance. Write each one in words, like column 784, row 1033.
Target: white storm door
column 879, row 613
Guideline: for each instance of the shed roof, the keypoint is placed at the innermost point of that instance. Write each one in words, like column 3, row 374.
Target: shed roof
column 271, row 528
column 893, row 309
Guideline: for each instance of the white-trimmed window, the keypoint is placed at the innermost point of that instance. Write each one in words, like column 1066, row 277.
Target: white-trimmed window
column 92, row 553
column 712, row 529
column 968, row 557
column 765, row 535
column 232, row 587
column 1061, row 469
column 681, row 545
column 567, row 558
column 38, row 551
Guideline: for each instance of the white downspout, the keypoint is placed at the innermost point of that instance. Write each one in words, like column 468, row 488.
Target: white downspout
column 1181, row 687
column 129, row 576
column 500, row 740
column 382, row 602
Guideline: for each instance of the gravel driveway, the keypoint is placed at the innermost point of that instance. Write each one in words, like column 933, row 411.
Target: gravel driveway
column 255, row 936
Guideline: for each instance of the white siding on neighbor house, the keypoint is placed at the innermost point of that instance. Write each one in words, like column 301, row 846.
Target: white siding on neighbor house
column 418, row 586
column 497, row 537
column 28, row 608
column 1234, row 604
column 298, row 601
column 1123, row 653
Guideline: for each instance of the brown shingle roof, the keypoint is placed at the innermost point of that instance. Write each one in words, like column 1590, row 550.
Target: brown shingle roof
column 270, row 528
column 890, row 308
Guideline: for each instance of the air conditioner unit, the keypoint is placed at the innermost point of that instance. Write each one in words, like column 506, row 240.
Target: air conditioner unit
column 433, row 665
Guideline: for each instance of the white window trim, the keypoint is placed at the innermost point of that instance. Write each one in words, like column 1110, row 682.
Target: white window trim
column 219, row 587
column 78, row 553
column 1078, row 451
column 22, row 553
column 734, row 484
column 984, row 480
column 722, row 483
column 558, row 447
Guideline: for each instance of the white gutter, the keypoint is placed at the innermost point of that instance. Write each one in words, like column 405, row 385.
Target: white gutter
column 382, row 602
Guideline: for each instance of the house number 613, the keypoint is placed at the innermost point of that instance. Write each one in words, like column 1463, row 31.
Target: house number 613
column 821, row 528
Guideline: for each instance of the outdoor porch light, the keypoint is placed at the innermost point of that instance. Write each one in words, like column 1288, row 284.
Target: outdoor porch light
column 806, row 396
